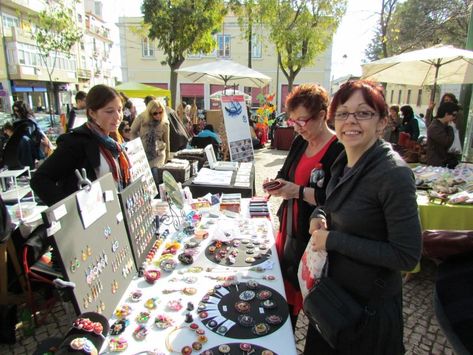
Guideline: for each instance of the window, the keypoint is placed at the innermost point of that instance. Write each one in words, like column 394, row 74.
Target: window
column 223, row 42
column 9, row 22
column 399, row 97
column 256, row 47
column 408, row 101
column 79, row 18
column 147, row 48
column 392, row 96
column 419, row 98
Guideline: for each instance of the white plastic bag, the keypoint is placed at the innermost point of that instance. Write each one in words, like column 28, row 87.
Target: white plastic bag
column 310, row 268
column 456, row 146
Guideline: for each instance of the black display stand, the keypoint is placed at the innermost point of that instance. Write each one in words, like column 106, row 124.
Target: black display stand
column 97, row 258
column 240, row 348
column 264, row 305
column 140, row 222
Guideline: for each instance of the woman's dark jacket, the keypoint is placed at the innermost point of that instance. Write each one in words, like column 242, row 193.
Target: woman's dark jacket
column 411, row 126
column 296, row 243
column 440, row 137
column 55, row 179
column 373, row 223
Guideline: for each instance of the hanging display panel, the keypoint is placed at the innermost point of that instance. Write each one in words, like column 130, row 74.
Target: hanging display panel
column 140, row 221
column 88, row 232
column 139, row 165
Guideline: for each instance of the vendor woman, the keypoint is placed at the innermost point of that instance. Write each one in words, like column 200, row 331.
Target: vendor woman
column 95, row 146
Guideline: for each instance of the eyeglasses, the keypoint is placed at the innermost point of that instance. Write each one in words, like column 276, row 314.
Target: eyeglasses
column 359, row 115
column 155, row 113
column 300, row 123
column 127, row 130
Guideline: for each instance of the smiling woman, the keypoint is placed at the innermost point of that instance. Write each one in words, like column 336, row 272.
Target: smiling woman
column 95, row 146
column 370, row 183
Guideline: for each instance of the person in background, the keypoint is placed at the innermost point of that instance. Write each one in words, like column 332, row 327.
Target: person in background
column 391, row 133
column 153, row 129
column 129, row 111
column 149, row 98
column 208, row 131
column 409, row 123
column 254, row 138
column 440, row 136
column 315, row 147
column 95, row 146
column 369, row 223
column 27, row 127
column 77, row 115
column 7, row 132
column 447, row 97
column 125, row 131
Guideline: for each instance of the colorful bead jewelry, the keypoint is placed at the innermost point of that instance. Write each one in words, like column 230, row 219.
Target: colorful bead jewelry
column 118, row 344
column 83, row 344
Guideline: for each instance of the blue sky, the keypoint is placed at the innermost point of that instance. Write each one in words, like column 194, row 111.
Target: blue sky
column 352, row 37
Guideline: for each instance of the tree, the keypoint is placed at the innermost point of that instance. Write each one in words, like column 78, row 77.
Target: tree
column 378, row 48
column 416, row 24
column 247, row 12
column 181, row 27
column 301, row 30
column 55, row 33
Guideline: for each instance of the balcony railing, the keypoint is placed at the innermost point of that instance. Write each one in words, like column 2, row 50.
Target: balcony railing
column 84, row 73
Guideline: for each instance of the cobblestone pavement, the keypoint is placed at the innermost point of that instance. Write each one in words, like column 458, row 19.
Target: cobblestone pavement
column 422, row 334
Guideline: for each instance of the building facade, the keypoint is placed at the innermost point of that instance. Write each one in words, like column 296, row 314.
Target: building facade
column 141, row 62
column 24, row 76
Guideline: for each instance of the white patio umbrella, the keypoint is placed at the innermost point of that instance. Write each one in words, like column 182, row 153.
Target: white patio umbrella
column 430, row 66
column 227, row 92
column 225, row 72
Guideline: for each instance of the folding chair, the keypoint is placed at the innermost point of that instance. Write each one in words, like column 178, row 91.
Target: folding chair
column 38, row 265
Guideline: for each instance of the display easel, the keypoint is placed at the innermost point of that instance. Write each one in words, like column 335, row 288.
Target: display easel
column 97, row 256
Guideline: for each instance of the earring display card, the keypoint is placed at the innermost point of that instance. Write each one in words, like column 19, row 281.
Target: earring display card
column 140, row 221
column 139, row 165
column 98, row 259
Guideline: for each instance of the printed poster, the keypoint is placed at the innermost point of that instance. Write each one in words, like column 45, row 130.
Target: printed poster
column 237, row 128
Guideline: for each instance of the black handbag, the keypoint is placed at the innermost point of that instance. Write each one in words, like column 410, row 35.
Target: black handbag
column 336, row 315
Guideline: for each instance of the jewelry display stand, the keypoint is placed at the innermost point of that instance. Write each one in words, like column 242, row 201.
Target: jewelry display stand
column 93, row 247
column 140, row 222
column 139, row 165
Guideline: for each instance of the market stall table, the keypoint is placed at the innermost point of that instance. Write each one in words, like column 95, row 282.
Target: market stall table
column 444, row 217
column 200, row 294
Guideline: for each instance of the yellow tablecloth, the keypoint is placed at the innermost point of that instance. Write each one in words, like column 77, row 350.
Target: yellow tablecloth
column 444, row 217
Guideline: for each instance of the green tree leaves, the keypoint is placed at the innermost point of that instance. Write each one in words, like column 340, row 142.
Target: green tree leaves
column 181, row 27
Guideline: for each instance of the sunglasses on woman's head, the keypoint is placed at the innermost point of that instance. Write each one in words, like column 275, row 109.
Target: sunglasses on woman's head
column 155, row 113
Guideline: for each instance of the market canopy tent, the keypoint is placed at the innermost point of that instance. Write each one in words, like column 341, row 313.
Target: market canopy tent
column 225, row 72
column 138, row 90
column 430, row 66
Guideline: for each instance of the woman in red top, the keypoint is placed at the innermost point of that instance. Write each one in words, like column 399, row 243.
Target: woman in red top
column 312, row 153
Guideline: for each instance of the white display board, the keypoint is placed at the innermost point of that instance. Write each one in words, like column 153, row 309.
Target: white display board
column 237, row 128
column 139, row 164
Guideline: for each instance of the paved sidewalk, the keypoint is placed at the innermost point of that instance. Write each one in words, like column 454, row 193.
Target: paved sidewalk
column 422, row 333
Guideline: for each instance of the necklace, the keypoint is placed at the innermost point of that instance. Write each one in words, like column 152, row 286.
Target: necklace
column 201, row 339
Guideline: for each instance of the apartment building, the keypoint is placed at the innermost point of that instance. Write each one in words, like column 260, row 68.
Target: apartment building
column 23, row 75
column 141, row 62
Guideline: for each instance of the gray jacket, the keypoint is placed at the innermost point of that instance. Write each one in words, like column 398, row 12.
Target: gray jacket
column 373, row 221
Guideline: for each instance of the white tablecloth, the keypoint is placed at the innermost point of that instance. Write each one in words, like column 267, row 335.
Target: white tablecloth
column 280, row 341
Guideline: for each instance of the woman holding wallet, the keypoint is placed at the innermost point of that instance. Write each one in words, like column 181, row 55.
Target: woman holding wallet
column 369, row 224
column 312, row 153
